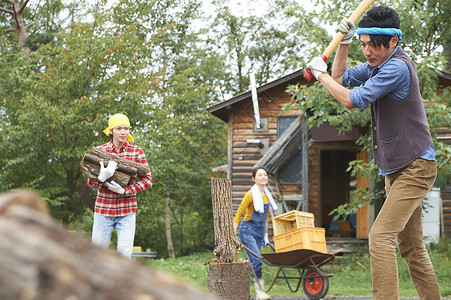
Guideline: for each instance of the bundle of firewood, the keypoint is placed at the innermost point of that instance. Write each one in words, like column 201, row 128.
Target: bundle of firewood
column 126, row 173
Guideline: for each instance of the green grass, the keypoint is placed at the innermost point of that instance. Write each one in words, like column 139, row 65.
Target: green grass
column 352, row 272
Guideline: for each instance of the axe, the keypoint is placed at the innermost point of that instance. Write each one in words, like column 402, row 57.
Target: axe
column 363, row 6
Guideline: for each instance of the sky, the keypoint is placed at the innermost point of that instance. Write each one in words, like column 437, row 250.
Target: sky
column 241, row 6
column 238, row 6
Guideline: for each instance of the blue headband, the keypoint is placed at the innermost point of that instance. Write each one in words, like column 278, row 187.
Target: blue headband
column 378, row 30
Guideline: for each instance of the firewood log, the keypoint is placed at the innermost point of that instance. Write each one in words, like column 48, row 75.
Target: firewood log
column 141, row 169
column 126, row 172
column 41, row 260
column 120, row 167
column 92, row 171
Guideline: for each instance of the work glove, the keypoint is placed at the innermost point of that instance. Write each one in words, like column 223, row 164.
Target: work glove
column 107, row 172
column 266, row 241
column 115, row 187
column 317, row 66
column 348, row 28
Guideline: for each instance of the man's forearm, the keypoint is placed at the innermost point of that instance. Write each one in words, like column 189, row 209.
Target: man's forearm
column 340, row 63
column 337, row 91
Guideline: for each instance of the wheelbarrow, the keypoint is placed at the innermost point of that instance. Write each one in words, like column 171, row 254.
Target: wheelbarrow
column 307, row 263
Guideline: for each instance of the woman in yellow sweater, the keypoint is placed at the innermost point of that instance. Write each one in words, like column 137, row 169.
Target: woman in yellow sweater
column 254, row 226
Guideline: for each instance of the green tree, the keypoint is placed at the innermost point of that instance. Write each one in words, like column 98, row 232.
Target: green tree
column 186, row 142
column 139, row 58
column 266, row 45
column 37, row 22
column 56, row 101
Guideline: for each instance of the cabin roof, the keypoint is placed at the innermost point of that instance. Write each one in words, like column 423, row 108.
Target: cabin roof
column 444, row 75
column 220, row 109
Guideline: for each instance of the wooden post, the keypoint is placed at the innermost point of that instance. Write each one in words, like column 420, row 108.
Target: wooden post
column 225, row 240
column 227, row 277
column 304, row 153
column 362, row 215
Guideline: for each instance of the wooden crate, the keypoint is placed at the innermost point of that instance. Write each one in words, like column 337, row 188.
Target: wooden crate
column 303, row 238
column 292, row 220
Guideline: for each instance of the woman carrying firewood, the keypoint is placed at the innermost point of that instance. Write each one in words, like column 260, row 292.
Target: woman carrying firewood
column 116, row 206
column 254, row 227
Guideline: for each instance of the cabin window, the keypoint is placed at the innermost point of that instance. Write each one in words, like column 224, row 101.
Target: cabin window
column 283, row 123
column 291, row 170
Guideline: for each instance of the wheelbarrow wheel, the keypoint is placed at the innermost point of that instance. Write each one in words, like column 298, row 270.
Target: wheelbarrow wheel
column 317, row 286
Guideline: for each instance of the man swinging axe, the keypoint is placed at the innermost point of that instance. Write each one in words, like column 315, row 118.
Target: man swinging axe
column 402, row 145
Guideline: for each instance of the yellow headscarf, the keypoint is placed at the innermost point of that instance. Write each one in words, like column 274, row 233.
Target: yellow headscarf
column 118, row 120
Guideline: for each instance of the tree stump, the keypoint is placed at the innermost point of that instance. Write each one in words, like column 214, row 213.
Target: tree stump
column 227, row 277
column 40, row 260
column 229, row 280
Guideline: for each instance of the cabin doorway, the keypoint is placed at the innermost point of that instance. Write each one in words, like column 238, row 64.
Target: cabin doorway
column 336, row 185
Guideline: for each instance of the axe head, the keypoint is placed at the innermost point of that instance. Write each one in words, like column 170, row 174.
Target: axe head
column 308, row 74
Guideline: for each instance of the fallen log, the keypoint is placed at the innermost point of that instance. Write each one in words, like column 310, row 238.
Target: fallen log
column 41, row 260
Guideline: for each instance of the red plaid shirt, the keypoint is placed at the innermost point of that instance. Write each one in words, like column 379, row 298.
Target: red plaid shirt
column 111, row 204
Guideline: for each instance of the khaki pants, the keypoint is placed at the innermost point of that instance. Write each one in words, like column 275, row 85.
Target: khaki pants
column 400, row 220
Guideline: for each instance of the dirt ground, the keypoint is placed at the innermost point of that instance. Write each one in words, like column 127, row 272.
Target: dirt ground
column 332, row 297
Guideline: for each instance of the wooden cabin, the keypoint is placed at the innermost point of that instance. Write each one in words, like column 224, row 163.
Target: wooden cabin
column 307, row 167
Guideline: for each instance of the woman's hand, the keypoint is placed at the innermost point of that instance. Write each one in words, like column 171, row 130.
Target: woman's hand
column 266, row 242
column 235, row 227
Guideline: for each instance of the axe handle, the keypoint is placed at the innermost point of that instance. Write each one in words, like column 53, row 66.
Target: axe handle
column 363, row 6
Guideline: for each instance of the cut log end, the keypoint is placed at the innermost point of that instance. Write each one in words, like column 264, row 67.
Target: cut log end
column 42, row 261
column 229, row 280
column 25, row 198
